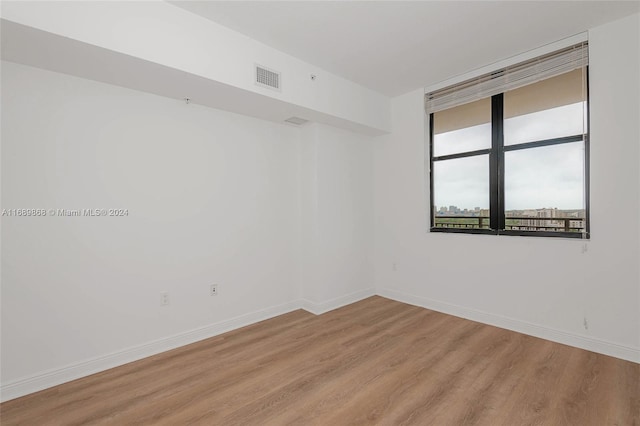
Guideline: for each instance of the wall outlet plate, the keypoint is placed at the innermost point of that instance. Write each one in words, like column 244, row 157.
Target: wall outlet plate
column 213, row 290
column 164, row 298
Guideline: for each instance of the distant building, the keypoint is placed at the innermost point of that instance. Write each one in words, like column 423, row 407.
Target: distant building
column 544, row 219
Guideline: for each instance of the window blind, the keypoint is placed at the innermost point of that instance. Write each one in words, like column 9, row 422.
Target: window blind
column 509, row 78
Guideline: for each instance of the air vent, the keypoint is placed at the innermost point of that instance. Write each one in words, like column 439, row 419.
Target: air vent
column 296, row 120
column 267, row 78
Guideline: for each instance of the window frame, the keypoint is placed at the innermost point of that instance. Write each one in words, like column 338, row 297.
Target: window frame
column 497, row 218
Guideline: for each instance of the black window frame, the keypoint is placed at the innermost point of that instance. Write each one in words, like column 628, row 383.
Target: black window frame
column 497, row 219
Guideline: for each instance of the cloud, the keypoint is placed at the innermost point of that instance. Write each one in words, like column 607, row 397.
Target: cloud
column 551, row 176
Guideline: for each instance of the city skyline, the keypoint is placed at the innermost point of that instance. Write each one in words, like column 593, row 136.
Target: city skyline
column 477, row 211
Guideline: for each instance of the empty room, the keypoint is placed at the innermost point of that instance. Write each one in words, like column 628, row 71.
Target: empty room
column 320, row 213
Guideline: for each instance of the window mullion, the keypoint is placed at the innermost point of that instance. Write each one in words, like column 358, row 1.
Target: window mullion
column 496, row 164
column 432, row 212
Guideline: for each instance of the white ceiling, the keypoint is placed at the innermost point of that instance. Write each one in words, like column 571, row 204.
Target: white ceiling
column 396, row 46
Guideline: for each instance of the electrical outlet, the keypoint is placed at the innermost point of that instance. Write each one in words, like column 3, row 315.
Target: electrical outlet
column 213, row 290
column 164, row 298
column 585, row 323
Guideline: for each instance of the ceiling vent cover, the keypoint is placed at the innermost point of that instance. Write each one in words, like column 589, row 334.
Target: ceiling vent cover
column 267, row 78
column 296, row 120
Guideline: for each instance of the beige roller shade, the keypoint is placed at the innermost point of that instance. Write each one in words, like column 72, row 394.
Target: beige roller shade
column 564, row 89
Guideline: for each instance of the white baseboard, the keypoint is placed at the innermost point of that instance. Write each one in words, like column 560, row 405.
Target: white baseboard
column 58, row 376
column 54, row 377
column 338, row 302
column 47, row 379
column 578, row 341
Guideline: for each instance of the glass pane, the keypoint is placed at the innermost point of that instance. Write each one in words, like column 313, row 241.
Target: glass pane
column 461, row 192
column 544, row 188
column 463, row 128
column 552, row 108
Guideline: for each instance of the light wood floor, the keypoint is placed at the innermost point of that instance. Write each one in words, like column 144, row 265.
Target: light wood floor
column 374, row 362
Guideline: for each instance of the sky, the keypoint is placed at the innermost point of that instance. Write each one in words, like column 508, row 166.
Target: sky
column 535, row 178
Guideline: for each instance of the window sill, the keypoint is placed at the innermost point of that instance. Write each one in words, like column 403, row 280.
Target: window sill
column 572, row 235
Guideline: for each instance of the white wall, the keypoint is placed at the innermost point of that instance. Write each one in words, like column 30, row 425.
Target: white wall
column 212, row 198
column 336, row 193
column 540, row 286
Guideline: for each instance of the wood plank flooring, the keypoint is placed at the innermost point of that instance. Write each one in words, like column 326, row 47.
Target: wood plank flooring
column 375, row 362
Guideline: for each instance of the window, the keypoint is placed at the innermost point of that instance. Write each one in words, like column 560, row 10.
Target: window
column 509, row 150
